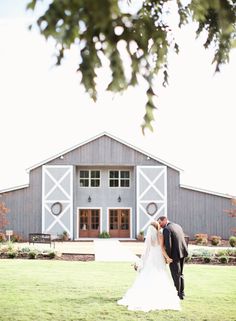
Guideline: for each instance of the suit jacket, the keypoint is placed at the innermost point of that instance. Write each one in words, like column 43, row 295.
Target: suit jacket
column 174, row 241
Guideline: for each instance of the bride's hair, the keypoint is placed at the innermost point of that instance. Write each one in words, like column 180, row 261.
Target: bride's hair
column 156, row 225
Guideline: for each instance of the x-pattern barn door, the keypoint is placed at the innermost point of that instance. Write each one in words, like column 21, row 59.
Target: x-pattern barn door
column 57, row 199
column 151, row 195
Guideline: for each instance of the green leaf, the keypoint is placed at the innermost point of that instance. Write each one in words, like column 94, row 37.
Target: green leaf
column 31, row 5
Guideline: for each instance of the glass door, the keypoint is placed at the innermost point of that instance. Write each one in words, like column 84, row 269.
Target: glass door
column 119, row 223
column 89, row 222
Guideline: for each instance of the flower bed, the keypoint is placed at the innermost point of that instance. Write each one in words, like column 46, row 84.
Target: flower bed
column 205, row 256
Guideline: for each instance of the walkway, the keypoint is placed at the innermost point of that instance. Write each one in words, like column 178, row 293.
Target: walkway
column 112, row 250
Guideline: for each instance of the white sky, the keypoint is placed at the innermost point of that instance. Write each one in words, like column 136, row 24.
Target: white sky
column 44, row 110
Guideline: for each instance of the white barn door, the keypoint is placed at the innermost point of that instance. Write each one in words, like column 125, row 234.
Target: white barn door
column 151, row 195
column 57, row 199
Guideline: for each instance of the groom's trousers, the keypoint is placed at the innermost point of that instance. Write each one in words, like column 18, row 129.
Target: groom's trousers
column 176, row 269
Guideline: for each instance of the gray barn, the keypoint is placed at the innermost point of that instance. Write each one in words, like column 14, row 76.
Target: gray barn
column 106, row 184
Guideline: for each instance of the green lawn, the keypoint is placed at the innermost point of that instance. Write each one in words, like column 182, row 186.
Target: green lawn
column 33, row 290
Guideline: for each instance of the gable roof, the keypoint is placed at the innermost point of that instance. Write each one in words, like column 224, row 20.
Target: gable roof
column 99, row 136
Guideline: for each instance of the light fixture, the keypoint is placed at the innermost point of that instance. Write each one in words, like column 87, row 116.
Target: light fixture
column 119, row 199
column 89, row 199
column 61, row 157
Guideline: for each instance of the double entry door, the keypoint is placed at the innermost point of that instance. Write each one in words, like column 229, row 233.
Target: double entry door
column 119, row 222
column 89, row 222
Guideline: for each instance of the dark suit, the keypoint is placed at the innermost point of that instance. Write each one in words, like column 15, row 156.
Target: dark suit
column 177, row 250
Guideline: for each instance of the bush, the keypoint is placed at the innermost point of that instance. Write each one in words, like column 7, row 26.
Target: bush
column 224, row 259
column 206, row 259
column 11, row 254
column 215, row 240
column 16, row 238
column 25, row 249
column 52, row 255
column 232, row 241
column 200, row 252
column 222, row 252
column 104, row 235
column 231, row 252
column 32, row 255
column 201, row 239
column 2, row 237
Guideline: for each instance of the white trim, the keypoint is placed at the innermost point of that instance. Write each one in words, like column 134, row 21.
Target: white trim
column 205, row 191
column 119, row 178
column 14, row 188
column 43, row 200
column 130, row 218
column 68, row 201
column 90, row 178
column 87, row 208
column 140, row 203
column 96, row 137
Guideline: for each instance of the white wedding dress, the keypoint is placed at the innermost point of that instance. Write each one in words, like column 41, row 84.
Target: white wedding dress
column 153, row 288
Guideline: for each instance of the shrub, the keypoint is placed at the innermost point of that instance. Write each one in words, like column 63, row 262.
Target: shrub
column 2, row 237
column 32, row 255
column 232, row 241
column 51, row 255
column 224, row 259
column 64, row 236
column 11, row 254
column 222, row 252
column 104, row 235
column 201, row 239
column 16, row 238
column 206, row 259
column 215, row 240
column 231, row 252
column 200, row 252
column 25, row 249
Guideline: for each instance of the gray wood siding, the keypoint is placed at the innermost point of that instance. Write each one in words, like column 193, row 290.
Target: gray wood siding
column 104, row 197
column 104, row 151
column 197, row 212
column 25, row 206
column 200, row 212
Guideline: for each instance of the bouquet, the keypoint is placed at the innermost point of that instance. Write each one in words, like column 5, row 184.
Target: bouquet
column 138, row 265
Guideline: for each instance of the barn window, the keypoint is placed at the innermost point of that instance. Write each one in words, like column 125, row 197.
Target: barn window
column 119, row 178
column 89, row 178
column 95, row 179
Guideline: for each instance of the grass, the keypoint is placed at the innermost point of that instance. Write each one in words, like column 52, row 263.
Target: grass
column 33, row 290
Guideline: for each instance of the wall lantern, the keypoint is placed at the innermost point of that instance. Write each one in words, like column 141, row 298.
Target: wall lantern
column 89, row 199
column 119, row 199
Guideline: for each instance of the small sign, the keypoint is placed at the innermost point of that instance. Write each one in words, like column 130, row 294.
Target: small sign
column 9, row 232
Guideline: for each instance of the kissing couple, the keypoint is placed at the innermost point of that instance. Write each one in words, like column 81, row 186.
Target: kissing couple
column 153, row 288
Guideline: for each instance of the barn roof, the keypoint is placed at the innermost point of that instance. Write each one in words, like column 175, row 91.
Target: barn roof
column 124, row 143
column 96, row 137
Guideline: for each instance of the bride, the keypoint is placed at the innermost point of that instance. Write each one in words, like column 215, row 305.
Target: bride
column 153, row 288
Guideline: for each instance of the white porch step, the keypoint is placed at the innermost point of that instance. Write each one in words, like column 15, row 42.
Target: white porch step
column 112, row 250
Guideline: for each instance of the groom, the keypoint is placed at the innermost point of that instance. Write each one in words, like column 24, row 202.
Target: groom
column 176, row 249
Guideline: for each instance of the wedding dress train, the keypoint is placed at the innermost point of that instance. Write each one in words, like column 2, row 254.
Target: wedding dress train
column 153, row 288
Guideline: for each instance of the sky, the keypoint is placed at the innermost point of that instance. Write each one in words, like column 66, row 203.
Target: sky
column 44, row 110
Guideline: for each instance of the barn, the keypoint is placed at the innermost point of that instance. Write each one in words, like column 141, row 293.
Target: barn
column 105, row 184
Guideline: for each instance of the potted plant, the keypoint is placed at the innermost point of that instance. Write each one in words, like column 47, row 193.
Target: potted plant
column 65, row 236
column 232, row 241
column 215, row 240
column 140, row 236
column 104, row 235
